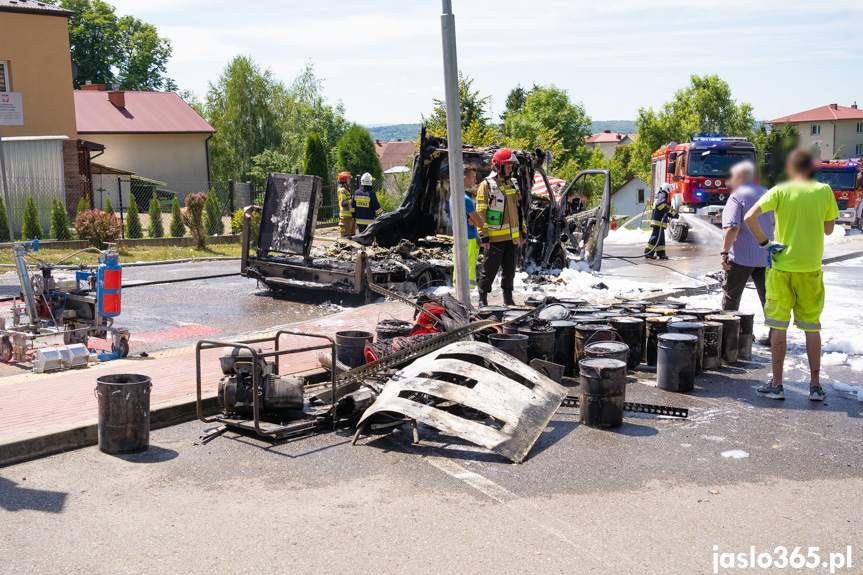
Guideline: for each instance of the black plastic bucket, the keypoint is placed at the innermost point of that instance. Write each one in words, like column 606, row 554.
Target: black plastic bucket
column 602, row 392
column 607, row 350
column 747, row 326
column 492, row 312
column 712, row 356
column 696, row 329
column 515, row 344
column 655, row 327
column 564, row 345
column 351, row 346
column 124, row 412
column 390, row 328
column 675, row 365
column 586, row 333
column 702, row 312
column 730, row 336
column 631, row 332
column 540, row 342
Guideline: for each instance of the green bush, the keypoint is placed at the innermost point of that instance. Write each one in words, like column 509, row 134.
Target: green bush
column 31, row 229
column 98, row 227
column 133, row 221
column 213, row 215
column 177, row 229
column 4, row 224
column 109, row 207
column 194, row 218
column 83, row 205
column 254, row 225
column 59, row 222
column 156, row 229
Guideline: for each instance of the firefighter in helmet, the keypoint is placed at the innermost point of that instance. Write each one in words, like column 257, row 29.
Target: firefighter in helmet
column 364, row 204
column 347, row 223
column 662, row 211
column 498, row 203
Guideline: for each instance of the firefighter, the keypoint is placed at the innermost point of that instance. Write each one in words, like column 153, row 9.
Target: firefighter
column 662, row 211
column 347, row 223
column 498, row 204
column 364, row 204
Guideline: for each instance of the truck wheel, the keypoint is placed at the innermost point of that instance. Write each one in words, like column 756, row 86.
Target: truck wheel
column 678, row 232
column 859, row 223
column 558, row 261
column 5, row 350
column 425, row 279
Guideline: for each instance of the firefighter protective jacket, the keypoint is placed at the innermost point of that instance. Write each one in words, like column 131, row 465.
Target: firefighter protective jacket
column 497, row 203
column 346, row 215
column 659, row 216
column 365, row 206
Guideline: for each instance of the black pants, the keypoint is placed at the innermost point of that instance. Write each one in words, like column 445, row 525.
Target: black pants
column 499, row 255
column 656, row 243
column 735, row 282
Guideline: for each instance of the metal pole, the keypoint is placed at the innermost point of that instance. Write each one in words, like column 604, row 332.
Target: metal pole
column 6, row 191
column 456, row 167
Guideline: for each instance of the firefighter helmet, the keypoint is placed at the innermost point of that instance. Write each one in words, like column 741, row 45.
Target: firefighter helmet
column 366, row 179
column 666, row 187
column 502, row 157
column 345, row 177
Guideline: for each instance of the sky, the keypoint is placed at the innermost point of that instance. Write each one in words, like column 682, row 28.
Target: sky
column 382, row 59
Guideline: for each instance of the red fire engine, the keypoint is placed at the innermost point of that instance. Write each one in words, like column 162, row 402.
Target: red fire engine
column 846, row 179
column 699, row 172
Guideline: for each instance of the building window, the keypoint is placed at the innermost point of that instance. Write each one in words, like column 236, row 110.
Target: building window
column 640, row 194
column 4, row 76
column 815, row 130
column 859, row 151
column 860, row 127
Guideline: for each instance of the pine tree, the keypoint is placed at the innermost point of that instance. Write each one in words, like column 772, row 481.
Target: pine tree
column 59, row 222
column 109, row 207
column 177, row 229
column 4, row 224
column 213, row 215
column 83, row 205
column 133, row 221
column 315, row 162
column 156, row 229
column 31, row 228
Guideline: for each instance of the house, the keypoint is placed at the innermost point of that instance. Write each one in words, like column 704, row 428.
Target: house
column 607, row 141
column 395, row 154
column 156, row 135
column 835, row 130
column 631, row 198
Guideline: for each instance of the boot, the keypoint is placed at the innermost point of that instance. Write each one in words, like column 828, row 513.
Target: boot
column 483, row 298
column 507, row 297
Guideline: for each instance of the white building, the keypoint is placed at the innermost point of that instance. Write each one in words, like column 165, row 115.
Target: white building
column 630, row 199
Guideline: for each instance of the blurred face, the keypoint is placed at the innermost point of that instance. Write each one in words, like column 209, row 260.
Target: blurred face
column 469, row 179
column 506, row 170
column 736, row 180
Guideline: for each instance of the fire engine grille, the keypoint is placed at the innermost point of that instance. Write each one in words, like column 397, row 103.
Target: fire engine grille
column 288, row 218
column 842, row 203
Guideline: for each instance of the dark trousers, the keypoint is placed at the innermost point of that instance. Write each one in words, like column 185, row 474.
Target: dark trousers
column 735, row 282
column 656, row 243
column 499, row 255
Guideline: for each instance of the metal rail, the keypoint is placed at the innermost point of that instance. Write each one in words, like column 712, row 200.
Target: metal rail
column 667, row 410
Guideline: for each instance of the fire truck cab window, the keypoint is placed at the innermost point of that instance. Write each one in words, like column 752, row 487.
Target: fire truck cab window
column 843, row 180
column 717, row 163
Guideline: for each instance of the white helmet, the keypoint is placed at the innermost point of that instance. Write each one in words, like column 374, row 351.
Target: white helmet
column 666, row 187
column 366, row 179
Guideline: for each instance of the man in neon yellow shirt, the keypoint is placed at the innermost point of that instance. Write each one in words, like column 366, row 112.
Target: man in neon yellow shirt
column 805, row 211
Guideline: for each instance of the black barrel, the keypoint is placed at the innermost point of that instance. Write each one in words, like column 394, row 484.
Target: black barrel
column 564, row 345
column 631, row 332
column 637, row 306
column 515, row 344
column 390, row 328
column 602, row 392
column 587, row 310
column 351, row 347
column 730, row 336
column 661, row 310
column 684, row 317
column 675, row 364
column 586, row 333
column 540, row 342
column 695, row 328
column 124, row 412
column 583, row 318
column 608, row 314
column 572, row 301
column 712, row 356
column 513, row 322
column 747, row 326
column 607, row 350
column 655, row 326
column 702, row 312
column 492, row 312
column 672, row 304
column 554, row 312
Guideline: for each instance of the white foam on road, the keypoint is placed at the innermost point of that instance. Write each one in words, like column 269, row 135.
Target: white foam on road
column 735, row 454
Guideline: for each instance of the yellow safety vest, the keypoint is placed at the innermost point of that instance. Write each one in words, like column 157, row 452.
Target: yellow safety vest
column 499, row 211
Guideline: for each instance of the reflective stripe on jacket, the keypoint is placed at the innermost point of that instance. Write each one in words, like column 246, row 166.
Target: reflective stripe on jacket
column 345, row 210
column 497, row 203
column 659, row 215
column 365, row 205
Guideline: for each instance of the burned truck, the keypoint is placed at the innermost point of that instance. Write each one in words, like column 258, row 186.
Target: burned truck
column 411, row 247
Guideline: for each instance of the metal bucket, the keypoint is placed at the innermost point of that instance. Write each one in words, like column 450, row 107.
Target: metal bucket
column 554, row 312
column 747, row 326
column 572, row 301
column 492, row 312
column 696, row 329
column 390, row 328
column 587, row 310
column 124, row 412
column 675, row 366
column 684, row 317
column 662, row 310
column 540, row 343
column 586, row 333
column 712, row 356
column 655, row 326
column 602, row 392
column 607, row 350
column 702, row 312
column 730, row 336
column 351, row 346
column 564, row 345
column 672, row 304
column 631, row 332
column 514, row 344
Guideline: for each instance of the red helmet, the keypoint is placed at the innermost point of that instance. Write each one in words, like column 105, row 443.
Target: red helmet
column 502, row 157
column 345, row 177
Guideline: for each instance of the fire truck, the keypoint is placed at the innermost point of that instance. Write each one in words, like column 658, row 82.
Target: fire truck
column 845, row 177
column 699, row 172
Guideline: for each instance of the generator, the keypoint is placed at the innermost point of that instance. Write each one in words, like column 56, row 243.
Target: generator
column 278, row 393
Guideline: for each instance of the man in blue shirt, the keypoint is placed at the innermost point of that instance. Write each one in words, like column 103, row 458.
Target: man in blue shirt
column 473, row 220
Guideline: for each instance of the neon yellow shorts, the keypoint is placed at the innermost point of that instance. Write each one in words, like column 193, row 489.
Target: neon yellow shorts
column 472, row 256
column 802, row 292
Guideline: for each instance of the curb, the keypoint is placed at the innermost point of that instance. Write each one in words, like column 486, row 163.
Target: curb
column 20, row 448
column 842, row 258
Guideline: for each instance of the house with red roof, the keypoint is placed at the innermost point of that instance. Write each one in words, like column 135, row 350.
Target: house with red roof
column 836, row 130
column 155, row 135
column 607, row 141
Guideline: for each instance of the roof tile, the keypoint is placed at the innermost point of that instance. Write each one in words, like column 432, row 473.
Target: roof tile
column 144, row 113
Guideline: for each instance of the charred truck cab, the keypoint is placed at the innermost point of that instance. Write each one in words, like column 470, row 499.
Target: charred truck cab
column 411, row 248
column 845, row 177
column 699, row 172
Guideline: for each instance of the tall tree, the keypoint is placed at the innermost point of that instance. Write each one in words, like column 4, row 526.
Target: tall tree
column 142, row 56
column 356, row 153
column 316, row 159
column 514, row 102
column 476, row 126
column 775, row 145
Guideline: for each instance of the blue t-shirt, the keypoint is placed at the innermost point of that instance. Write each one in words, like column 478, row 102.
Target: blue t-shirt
column 468, row 208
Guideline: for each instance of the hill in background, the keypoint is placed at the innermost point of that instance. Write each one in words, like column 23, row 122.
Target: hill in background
column 621, row 126
column 394, row 132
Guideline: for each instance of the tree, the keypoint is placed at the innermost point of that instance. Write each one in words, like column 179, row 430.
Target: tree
column 156, row 229
column 133, row 221
column 142, row 56
column 32, row 228
column 4, row 224
column 514, row 102
column 475, row 125
column 356, row 153
column 177, row 229
column 705, row 107
column 316, row 158
column 59, row 222
column 109, row 207
column 194, row 220
column 98, row 227
column 267, row 162
column 83, row 204
column 213, row 215
column 776, row 144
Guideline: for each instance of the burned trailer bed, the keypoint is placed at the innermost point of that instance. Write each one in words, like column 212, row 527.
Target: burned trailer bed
column 407, row 249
